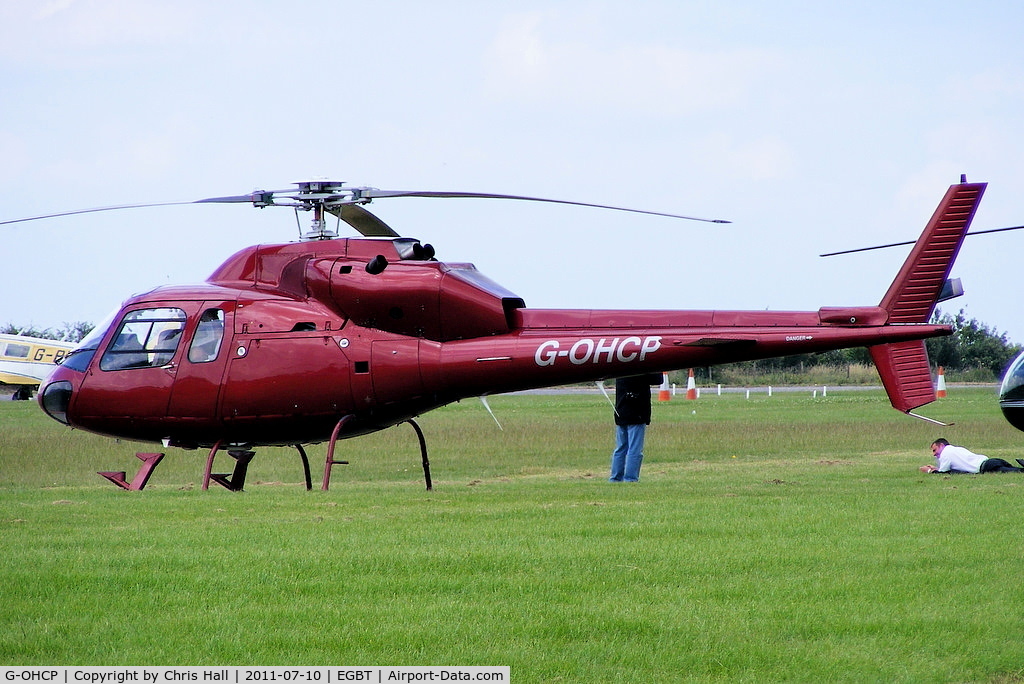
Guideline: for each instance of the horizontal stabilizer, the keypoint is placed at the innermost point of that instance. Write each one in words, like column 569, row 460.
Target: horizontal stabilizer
column 952, row 289
column 906, row 376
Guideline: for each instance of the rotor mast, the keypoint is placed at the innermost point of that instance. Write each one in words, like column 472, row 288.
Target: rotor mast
column 313, row 196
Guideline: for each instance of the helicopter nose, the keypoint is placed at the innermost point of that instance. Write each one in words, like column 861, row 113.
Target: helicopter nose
column 1011, row 393
column 1013, row 411
column 55, row 400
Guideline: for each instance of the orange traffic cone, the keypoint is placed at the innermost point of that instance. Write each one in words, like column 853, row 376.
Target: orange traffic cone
column 663, row 394
column 691, row 387
column 940, row 389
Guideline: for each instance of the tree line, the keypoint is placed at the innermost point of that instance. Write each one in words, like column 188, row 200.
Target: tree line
column 65, row 332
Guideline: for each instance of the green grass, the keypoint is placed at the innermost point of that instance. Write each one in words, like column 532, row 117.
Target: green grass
column 782, row 538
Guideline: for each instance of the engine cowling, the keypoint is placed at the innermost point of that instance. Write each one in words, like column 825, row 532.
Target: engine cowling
column 398, row 290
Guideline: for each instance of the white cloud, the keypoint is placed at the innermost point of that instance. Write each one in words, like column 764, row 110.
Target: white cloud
column 762, row 158
column 46, row 10
column 76, row 34
column 531, row 62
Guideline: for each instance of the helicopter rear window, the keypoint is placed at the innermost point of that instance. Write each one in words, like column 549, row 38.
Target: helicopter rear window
column 209, row 335
column 147, row 338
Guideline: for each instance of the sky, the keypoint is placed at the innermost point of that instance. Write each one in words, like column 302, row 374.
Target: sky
column 813, row 127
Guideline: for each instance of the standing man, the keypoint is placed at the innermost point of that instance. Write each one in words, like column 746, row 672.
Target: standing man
column 632, row 416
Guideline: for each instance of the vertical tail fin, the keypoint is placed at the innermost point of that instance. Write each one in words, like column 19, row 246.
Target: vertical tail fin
column 911, row 298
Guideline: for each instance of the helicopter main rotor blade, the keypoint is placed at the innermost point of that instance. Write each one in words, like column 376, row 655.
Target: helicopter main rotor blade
column 345, row 203
column 233, row 199
column 373, row 193
column 257, row 198
column 910, row 242
column 94, row 210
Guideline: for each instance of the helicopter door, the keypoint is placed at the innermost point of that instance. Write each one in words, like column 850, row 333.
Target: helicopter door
column 138, row 368
column 201, row 369
column 296, row 374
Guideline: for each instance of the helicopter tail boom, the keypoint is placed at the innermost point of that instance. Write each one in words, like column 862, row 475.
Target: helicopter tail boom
column 911, row 299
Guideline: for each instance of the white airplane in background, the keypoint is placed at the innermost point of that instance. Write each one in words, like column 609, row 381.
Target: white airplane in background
column 26, row 361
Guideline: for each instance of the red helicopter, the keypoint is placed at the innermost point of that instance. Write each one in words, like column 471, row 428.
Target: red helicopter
column 331, row 338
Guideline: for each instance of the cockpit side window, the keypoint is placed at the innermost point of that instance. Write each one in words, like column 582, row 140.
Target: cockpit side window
column 208, row 338
column 147, row 338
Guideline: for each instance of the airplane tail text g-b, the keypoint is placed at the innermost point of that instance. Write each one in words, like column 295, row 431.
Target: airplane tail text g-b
column 911, row 299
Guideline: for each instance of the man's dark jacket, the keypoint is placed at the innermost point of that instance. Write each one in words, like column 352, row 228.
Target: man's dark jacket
column 633, row 399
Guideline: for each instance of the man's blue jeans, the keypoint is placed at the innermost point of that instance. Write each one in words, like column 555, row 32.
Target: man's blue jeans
column 628, row 454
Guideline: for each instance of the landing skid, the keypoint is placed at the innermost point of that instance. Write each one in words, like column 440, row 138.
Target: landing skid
column 149, row 462
column 235, row 481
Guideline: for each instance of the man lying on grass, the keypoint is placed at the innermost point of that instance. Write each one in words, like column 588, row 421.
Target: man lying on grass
column 957, row 459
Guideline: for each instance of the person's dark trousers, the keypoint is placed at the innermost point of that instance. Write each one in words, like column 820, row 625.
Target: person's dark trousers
column 998, row 465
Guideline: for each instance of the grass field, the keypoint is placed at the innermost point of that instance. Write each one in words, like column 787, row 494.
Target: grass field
column 782, row 538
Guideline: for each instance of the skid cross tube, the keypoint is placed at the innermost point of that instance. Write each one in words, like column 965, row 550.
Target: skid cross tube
column 305, row 466
column 209, row 465
column 423, row 453
column 330, row 462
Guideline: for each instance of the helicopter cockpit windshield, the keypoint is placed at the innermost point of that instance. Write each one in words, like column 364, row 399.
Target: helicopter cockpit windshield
column 81, row 355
